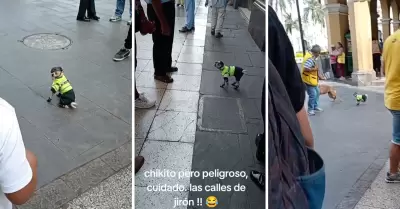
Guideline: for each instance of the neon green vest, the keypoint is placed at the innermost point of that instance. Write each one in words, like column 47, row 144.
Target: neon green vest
column 228, row 71
column 61, row 85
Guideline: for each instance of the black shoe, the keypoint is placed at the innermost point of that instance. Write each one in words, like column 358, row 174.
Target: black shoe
column 172, row 69
column 219, row 35
column 122, row 54
column 83, row 19
column 213, row 32
column 258, row 178
column 186, row 30
column 95, row 18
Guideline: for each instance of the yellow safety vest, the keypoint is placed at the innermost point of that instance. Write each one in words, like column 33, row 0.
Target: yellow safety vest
column 61, row 85
column 341, row 59
column 308, row 77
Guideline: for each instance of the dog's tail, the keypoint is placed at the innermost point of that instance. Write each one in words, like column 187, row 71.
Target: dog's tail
column 74, row 105
column 245, row 72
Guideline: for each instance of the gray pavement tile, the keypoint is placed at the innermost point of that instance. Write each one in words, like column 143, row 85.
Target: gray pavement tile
column 87, row 176
column 251, row 108
column 145, row 54
column 119, row 158
column 188, row 69
column 36, row 142
column 250, row 86
column 194, row 42
column 138, row 145
column 221, row 114
column 191, row 58
column 173, row 156
column 185, row 83
column 366, row 207
column 141, row 63
column 52, row 195
column 173, row 126
column 114, row 192
column 180, row 101
column 156, row 200
column 257, row 59
column 143, row 120
column 146, row 79
column 153, row 94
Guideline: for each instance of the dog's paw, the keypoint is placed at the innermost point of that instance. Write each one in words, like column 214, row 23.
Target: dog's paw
column 222, row 86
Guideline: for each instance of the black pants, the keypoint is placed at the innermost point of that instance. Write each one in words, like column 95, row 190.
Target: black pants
column 86, row 5
column 67, row 98
column 238, row 73
column 376, row 61
column 162, row 45
column 334, row 70
column 136, row 91
column 128, row 40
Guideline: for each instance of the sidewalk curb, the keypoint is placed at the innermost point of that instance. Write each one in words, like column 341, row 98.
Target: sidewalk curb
column 64, row 189
column 364, row 182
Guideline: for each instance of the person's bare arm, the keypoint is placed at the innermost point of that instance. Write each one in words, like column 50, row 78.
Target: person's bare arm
column 305, row 127
column 22, row 196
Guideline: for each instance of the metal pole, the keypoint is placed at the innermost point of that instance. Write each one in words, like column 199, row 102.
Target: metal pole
column 300, row 27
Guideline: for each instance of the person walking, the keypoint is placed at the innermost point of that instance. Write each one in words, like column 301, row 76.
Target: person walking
column 310, row 76
column 162, row 13
column 391, row 69
column 376, row 58
column 218, row 11
column 89, row 7
column 119, row 10
column 189, row 10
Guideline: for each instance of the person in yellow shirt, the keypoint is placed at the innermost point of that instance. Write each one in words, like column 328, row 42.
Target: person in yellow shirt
column 391, row 68
column 310, row 76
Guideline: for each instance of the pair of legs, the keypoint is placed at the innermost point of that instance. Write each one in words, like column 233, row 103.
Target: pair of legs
column 218, row 17
column 67, row 100
column 340, row 72
column 89, row 7
column 162, row 45
column 333, row 67
column 313, row 99
column 393, row 176
column 121, row 6
column 259, row 177
column 376, row 60
column 189, row 10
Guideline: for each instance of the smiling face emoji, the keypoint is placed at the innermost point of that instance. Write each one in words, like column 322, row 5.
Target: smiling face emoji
column 211, row 201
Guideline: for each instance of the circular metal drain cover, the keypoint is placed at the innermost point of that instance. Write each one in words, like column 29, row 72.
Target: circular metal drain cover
column 47, row 41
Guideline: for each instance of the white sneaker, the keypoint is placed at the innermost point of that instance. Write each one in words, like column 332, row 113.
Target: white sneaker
column 115, row 18
column 144, row 103
column 318, row 109
column 311, row 113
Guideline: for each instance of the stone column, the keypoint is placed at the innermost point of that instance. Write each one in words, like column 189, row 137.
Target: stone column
column 337, row 22
column 361, row 42
column 385, row 6
column 374, row 18
column 395, row 12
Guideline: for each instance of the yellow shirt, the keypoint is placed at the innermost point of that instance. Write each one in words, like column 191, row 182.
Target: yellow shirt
column 391, row 51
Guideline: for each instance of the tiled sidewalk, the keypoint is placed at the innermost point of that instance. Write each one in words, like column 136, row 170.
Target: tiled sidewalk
column 165, row 134
column 381, row 195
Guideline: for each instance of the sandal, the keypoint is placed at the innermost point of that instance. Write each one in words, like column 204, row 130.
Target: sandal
column 164, row 78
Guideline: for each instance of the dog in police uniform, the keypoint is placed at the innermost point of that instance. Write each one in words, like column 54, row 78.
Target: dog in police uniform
column 62, row 85
column 228, row 71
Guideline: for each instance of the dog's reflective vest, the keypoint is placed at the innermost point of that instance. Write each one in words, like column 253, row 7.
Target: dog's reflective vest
column 61, row 85
column 228, row 71
column 308, row 77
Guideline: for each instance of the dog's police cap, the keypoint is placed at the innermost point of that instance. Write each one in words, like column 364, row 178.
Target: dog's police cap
column 55, row 69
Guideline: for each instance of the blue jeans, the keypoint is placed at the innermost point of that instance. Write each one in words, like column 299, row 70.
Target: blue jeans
column 120, row 8
column 396, row 126
column 314, row 184
column 313, row 97
column 189, row 7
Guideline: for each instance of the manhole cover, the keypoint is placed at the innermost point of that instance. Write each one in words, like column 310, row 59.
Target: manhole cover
column 47, row 41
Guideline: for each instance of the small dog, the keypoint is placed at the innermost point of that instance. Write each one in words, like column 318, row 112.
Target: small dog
column 228, row 71
column 62, row 85
column 360, row 97
column 326, row 89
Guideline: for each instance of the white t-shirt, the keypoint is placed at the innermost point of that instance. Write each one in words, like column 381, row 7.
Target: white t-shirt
column 15, row 171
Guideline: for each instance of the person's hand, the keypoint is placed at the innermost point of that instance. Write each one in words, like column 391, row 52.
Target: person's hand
column 165, row 29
